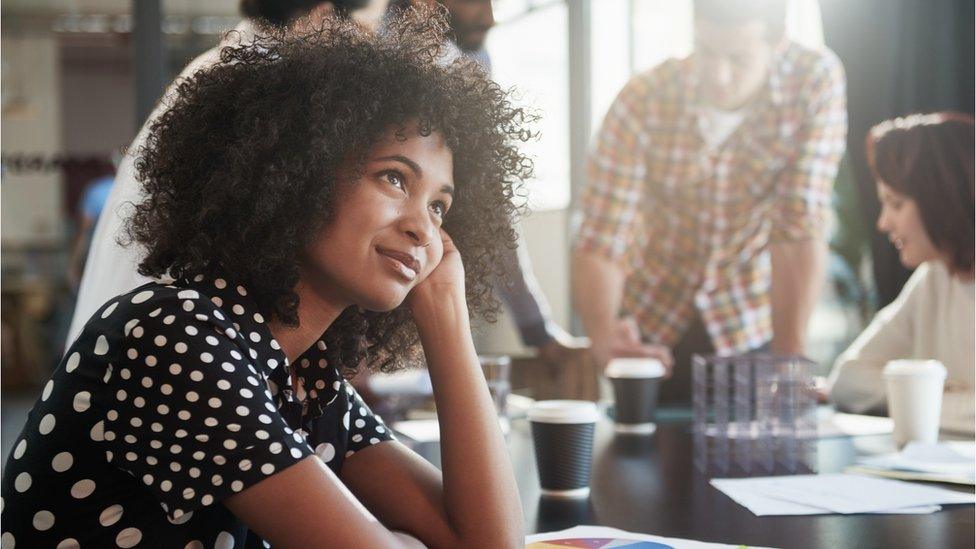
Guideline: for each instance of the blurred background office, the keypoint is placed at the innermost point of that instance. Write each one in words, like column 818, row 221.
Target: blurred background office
column 79, row 78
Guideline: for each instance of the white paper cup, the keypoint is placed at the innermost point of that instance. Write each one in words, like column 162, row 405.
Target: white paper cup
column 915, row 399
column 635, row 387
column 562, row 431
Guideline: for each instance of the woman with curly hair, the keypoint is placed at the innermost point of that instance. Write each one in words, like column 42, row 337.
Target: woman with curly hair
column 923, row 165
column 312, row 197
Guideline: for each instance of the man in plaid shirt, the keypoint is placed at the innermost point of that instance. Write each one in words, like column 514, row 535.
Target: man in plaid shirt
column 702, row 227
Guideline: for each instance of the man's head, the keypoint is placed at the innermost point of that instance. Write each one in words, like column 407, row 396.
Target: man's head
column 470, row 21
column 734, row 44
column 283, row 13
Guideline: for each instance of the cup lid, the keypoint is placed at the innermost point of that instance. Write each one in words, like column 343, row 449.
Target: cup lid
column 635, row 368
column 564, row 411
column 909, row 367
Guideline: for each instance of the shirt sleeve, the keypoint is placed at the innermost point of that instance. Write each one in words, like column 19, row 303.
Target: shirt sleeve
column 193, row 418
column 365, row 428
column 803, row 193
column 609, row 213
column 519, row 289
column 855, row 382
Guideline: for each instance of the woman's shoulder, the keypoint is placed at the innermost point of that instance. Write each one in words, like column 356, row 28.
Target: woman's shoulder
column 931, row 279
column 168, row 306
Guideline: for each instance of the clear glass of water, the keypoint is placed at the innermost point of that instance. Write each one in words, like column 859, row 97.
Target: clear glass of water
column 497, row 369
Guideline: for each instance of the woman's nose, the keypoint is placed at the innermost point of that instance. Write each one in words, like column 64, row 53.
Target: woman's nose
column 418, row 227
column 883, row 221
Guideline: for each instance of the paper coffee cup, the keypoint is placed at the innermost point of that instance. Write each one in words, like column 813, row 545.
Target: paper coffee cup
column 635, row 386
column 915, row 399
column 562, row 432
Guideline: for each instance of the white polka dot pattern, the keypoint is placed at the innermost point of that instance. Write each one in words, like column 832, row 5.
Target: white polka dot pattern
column 167, row 392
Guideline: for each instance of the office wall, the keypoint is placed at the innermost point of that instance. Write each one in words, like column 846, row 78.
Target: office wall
column 30, row 202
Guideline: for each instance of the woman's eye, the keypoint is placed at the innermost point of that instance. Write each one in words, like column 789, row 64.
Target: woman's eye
column 439, row 208
column 395, row 179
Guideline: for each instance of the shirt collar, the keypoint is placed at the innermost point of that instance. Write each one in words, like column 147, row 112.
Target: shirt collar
column 319, row 380
column 772, row 93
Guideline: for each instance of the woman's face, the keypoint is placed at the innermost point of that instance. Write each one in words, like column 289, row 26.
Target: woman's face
column 384, row 235
column 900, row 220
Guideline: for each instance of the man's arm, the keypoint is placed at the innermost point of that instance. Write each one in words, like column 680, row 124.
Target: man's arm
column 520, row 291
column 798, row 270
column 798, row 247
column 598, row 286
column 610, row 223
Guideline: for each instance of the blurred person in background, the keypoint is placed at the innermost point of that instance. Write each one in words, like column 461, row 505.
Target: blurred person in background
column 702, row 225
column 470, row 21
column 111, row 268
column 923, row 168
column 90, row 207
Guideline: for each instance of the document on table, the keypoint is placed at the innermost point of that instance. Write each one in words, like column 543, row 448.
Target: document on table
column 836, row 493
column 601, row 537
column 948, row 461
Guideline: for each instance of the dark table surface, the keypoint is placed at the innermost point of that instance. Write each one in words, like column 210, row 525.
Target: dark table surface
column 649, row 484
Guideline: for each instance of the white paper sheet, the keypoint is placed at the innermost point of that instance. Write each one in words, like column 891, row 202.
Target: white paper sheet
column 428, row 430
column 947, row 458
column 602, row 532
column 764, row 506
column 837, row 493
column 419, row 430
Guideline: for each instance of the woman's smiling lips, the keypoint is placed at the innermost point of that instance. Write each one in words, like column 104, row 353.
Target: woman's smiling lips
column 403, row 263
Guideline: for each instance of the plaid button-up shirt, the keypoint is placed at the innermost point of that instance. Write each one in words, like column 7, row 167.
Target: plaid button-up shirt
column 691, row 226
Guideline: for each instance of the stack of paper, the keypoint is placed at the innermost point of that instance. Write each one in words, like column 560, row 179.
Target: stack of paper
column 836, row 493
column 952, row 461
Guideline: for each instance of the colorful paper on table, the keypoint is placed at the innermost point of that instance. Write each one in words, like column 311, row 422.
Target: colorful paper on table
column 601, row 537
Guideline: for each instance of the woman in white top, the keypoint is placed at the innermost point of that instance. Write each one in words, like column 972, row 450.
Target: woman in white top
column 923, row 165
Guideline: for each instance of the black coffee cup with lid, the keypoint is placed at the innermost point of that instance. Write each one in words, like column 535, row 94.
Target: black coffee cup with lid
column 635, row 387
column 562, row 432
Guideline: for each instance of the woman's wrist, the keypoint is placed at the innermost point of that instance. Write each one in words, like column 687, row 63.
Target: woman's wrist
column 440, row 309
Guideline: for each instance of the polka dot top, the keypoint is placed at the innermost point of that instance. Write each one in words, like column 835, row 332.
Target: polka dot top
column 173, row 398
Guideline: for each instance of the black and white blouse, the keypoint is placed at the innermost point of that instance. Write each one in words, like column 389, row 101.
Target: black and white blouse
column 173, row 398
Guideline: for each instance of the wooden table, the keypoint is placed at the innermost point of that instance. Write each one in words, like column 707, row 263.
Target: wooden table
column 648, row 484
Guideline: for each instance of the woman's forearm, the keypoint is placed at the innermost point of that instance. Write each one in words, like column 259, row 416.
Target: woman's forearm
column 480, row 495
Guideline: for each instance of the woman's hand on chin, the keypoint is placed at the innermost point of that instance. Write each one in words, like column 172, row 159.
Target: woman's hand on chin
column 444, row 282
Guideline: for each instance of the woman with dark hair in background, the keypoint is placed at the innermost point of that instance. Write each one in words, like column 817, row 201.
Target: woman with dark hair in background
column 313, row 196
column 923, row 165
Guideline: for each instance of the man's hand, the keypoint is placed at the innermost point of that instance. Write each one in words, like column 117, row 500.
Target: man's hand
column 625, row 342
column 563, row 347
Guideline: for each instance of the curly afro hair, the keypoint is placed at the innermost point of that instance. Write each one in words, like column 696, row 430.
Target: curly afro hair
column 240, row 172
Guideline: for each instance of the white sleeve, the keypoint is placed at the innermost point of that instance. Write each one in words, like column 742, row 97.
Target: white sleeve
column 110, row 269
column 855, row 382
